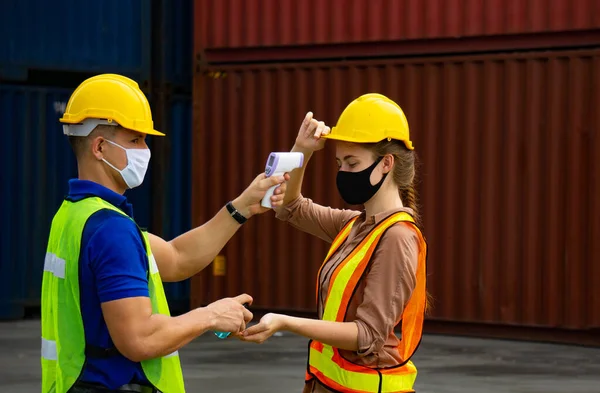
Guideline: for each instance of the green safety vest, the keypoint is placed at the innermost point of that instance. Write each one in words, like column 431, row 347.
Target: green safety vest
column 63, row 338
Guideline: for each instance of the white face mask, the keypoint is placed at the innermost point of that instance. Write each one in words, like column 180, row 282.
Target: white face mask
column 137, row 164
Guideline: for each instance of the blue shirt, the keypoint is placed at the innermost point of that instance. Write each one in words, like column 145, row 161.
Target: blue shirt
column 112, row 265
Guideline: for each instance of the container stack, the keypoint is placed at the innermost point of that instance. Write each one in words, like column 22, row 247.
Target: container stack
column 501, row 98
column 47, row 49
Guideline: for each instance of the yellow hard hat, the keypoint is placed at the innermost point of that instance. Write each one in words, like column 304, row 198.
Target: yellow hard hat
column 371, row 118
column 113, row 99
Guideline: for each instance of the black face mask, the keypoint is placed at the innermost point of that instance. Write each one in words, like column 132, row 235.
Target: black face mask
column 355, row 188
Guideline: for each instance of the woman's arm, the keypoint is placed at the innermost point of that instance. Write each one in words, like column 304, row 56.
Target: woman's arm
column 302, row 213
column 343, row 335
column 323, row 222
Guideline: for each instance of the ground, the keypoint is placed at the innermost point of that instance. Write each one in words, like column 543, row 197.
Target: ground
column 445, row 364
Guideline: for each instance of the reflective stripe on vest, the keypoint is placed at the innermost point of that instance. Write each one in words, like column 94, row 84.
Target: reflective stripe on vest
column 63, row 337
column 49, row 350
column 337, row 242
column 54, row 265
column 325, row 362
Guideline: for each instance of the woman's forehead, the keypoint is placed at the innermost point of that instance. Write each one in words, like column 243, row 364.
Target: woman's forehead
column 345, row 149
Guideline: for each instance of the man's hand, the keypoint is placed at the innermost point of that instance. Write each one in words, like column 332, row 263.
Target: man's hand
column 230, row 315
column 248, row 203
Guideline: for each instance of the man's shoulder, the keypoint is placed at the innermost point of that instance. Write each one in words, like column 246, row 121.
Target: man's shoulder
column 107, row 223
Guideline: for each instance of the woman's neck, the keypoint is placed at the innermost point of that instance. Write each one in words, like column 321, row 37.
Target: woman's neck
column 387, row 198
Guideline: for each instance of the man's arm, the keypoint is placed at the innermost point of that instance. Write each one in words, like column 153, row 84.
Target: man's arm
column 192, row 251
column 140, row 335
column 117, row 259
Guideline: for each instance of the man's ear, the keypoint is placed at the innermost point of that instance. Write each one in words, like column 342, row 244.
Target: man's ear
column 98, row 145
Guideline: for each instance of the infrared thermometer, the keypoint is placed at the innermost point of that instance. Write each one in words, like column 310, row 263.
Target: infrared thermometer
column 277, row 165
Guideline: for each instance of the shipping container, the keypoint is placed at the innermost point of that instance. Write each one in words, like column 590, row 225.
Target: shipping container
column 234, row 30
column 173, row 44
column 37, row 163
column 176, row 210
column 75, row 36
column 508, row 146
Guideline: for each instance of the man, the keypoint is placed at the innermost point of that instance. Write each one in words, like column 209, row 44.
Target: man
column 105, row 320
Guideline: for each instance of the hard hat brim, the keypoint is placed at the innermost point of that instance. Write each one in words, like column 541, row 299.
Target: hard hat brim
column 151, row 132
column 346, row 138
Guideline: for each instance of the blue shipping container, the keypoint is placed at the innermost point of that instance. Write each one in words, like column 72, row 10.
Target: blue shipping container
column 37, row 163
column 177, row 212
column 177, row 18
column 177, row 201
column 72, row 35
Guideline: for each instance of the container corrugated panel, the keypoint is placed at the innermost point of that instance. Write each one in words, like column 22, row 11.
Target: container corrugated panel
column 260, row 23
column 71, row 35
column 507, row 144
column 37, row 163
column 177, row 17
column 177, row 202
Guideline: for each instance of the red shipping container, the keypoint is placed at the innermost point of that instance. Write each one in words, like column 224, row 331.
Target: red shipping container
column 224, row 25
column 509, row 179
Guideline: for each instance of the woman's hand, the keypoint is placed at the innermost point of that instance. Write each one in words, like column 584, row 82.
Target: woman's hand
column 309, row 136
column 342, row 335
column 268, row 325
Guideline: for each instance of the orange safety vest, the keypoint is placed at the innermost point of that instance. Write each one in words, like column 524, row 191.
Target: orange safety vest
column 325, row 362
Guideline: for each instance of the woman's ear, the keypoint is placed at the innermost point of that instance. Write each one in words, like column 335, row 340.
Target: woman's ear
column 388, row 163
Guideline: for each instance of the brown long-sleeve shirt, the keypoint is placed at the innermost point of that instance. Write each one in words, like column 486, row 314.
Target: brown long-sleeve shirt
column 379, row 300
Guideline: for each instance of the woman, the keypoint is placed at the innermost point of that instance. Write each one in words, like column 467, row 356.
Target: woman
column 374, row 274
